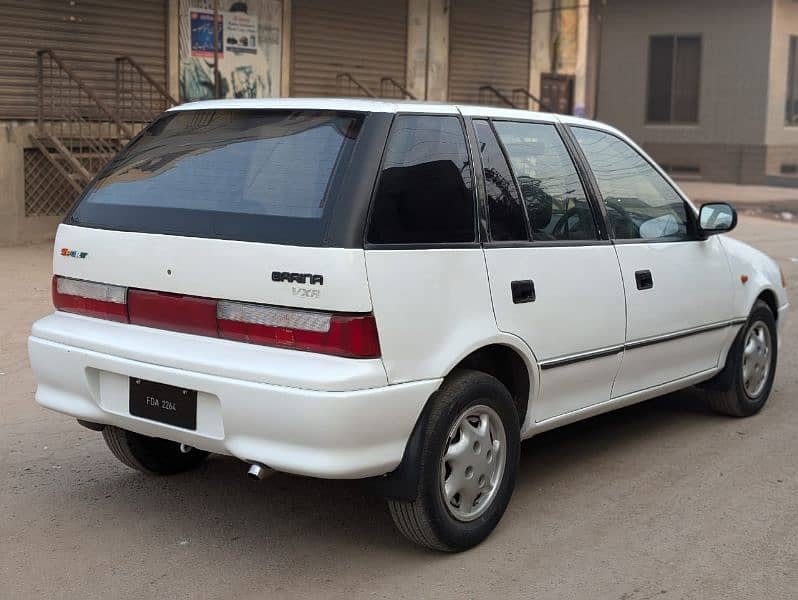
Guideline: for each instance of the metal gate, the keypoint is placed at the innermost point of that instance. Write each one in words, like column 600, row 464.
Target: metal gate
column 87, row 35
column 489, row 45
column 366, row 39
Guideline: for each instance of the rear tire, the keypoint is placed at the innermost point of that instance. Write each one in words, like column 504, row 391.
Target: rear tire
column 150, row 455
column 743, row 387
column 472, row 420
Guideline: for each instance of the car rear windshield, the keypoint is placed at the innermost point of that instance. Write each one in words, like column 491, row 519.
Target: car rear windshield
column 253, row 175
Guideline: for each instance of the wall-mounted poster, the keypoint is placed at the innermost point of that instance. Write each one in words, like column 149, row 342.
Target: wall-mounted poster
column 202, row 33
column 248, row 48
column 241, row 32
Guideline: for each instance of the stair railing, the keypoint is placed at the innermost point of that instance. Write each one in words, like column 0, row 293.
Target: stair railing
column 489, row 90
column 348, row 81
column 529, row 96
column 65, row 98
column 73, row 120
column 139, row 98
column 389, row 86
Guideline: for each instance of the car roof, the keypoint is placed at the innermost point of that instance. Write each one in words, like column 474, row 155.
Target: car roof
column 350, row 104
column 391, row 106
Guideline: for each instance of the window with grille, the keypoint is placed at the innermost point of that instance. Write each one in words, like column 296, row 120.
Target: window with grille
column 674, row 77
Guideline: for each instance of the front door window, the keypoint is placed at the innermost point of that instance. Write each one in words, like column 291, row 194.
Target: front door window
column 640, row 203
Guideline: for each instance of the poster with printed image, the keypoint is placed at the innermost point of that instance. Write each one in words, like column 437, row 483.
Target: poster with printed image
column 249, row 48
column 241, row 32
column 202, row 33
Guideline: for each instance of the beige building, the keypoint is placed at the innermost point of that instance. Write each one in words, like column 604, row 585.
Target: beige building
column 708, row 87
column 78, row 78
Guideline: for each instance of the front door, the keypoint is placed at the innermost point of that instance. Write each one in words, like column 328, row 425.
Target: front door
column 554, row 282
column 678, row 286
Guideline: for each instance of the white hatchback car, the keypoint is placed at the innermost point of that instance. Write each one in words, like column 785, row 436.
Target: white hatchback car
column 394, row 291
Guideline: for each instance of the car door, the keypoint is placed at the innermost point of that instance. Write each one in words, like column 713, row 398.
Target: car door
column 554, row 276
column 678, row 286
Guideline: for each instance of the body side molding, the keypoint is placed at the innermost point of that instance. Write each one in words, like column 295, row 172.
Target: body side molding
column 570, row 359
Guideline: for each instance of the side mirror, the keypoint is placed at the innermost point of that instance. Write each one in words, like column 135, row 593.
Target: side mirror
column 717, row 217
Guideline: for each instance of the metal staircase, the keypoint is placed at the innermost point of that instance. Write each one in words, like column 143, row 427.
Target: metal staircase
column 489, row 95
column 390, row 88
column 139, row 98
column 349, row 85
column 527, row 96
column 77, row 131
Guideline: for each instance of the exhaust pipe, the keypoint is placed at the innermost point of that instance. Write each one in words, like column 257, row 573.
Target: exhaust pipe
column 257, row 472
column 185, row 448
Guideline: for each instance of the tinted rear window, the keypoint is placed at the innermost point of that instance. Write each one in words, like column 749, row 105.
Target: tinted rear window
column 269, row 176
column 424, row 194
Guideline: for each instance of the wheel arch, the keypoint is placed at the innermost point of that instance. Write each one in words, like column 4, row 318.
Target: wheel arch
column 768, row 296
column 506, row 364
column 507, row 359
column 722, row 378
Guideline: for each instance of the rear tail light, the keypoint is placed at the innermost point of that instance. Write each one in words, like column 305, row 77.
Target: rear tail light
column 353, row 336
column 90, row 299
column 188, row 314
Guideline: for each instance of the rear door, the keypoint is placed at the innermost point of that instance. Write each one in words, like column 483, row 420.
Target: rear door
column 678, row 286
column 426, row 270
column 554, row 276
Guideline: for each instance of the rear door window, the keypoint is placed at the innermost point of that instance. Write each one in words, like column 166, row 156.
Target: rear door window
column 256, row 175
column 505, row 211
column 424, row 194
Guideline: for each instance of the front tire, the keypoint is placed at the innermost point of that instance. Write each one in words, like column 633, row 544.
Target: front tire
column 744, row 385
column 150, row 455
column 467, row 465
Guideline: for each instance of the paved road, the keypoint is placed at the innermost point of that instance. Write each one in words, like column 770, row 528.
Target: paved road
column 661, row 500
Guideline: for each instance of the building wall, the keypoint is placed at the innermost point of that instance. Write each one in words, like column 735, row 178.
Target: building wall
column 728, row 141
column 781, row 139
column 734, row 67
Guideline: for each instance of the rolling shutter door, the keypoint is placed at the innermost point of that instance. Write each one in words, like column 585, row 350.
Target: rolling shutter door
column 367, row 38
column 489, row 44
column 87, row 37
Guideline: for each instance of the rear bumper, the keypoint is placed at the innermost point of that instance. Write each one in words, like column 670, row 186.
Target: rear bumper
column 332, row 434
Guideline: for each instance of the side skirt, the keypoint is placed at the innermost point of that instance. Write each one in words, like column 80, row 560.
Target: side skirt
column 619, row 402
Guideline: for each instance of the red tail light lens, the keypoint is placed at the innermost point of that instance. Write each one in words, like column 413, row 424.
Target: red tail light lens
column 353, row 336
column 188, row 314
column 90, row 299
